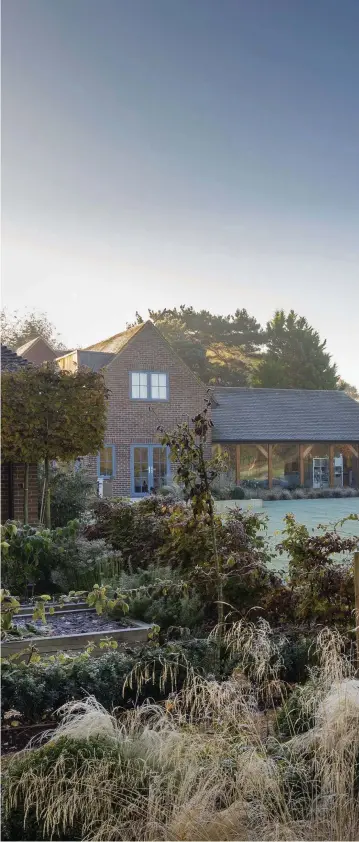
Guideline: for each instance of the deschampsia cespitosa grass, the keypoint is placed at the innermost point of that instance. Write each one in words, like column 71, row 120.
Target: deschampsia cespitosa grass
column 206, row 765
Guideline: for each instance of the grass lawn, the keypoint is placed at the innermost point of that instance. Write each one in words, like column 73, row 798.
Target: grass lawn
column 311, row 513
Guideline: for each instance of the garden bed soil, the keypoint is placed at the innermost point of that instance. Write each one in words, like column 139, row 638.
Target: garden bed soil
column 66, row 623
column 16, row 738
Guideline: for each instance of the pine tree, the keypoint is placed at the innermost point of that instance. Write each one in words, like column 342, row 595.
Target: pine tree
column 222, row 350
column 296, row 357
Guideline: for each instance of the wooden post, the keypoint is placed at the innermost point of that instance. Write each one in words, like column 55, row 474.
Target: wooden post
column 331, row 466
column 270, row 466
column 356, row 591
column 238, row 464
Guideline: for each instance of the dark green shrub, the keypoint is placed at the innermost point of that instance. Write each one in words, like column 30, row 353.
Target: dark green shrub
column 168, row 610
column 160, row 596
column 295, row 653
column 71, row 493
column 38, row 689
column 297, row 714
column 237, row 493
column 298, row 655
column 221, row 492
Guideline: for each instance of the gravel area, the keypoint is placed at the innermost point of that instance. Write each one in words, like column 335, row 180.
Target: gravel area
column 80, row 622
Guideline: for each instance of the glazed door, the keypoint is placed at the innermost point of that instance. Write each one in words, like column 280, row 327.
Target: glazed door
column 149, row 468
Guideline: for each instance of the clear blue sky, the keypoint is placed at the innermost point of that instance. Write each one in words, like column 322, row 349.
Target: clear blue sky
column 159, row 152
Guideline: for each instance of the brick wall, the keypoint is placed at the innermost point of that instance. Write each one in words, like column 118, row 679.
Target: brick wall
column 18, row 493
column 131, row 421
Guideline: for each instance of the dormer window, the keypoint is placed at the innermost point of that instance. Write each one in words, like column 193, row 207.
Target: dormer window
column 149, row 385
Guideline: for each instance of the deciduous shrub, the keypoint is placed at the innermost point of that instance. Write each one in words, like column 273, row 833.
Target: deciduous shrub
column 323, row 587
column 136, row 529
column 51, row 561
column 154, row 532
column 27, row 556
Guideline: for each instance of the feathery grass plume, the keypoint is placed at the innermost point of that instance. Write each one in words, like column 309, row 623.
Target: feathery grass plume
column 161, row 671
column 199, row 767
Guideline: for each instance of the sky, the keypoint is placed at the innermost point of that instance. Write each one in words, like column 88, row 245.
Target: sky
column 166, row 152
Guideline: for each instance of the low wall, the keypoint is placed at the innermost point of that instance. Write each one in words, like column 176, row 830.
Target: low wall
column 222, row 507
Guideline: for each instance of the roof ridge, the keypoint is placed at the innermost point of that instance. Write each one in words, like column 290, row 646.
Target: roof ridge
column 131, row 331
column 278, row 389
column 27, row 345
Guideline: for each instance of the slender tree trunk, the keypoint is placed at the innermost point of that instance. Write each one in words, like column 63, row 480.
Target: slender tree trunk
column 42, row 507
column 11, row 511
column 217, row 560
column 47, row 494
column 26, row 493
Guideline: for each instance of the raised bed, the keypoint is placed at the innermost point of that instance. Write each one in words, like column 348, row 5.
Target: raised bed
column 26, row 609
column 129, row 631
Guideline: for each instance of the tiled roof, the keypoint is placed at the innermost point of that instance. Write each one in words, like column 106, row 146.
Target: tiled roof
column 10, row 361
column 241, row 414
column 115, row 343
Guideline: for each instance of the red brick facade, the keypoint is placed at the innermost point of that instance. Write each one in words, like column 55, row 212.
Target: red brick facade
column 136, row 421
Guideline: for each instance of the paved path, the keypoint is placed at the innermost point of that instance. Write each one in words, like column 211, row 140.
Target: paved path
column 311, row 513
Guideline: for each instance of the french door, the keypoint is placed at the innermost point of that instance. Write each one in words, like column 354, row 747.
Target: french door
column 150, row 468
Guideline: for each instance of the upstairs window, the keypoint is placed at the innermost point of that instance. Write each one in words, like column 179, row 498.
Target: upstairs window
column 106, row 462
column 158, row 387
column 149, row 385
column 139, row 385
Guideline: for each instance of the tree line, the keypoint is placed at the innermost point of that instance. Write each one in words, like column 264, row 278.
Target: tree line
column 232, row 350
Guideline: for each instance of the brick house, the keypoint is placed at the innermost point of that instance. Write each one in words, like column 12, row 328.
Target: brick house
column 150, row 386
column 13, row 474
column 273, row 437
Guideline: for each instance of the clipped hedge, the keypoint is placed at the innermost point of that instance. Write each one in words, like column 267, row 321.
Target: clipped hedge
column 37, row 690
